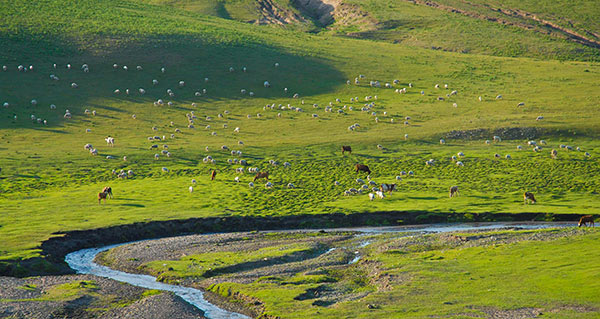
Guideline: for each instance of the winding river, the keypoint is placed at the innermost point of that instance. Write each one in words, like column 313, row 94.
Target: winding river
column 82, row 261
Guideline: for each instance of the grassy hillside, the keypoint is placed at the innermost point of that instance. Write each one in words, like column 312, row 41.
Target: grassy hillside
column 477, row 27
column 49, row 183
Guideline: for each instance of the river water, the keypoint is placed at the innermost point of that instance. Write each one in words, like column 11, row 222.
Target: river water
column 82, row 261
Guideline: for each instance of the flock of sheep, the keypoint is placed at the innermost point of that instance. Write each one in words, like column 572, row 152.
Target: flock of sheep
column 367, row 104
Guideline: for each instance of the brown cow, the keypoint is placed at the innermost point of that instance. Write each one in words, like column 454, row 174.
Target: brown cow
column 362, row 168
column 260, row 175
column 388, row 188
column 346, row 149
column 102, row 196
column 527, row 197
column 108, row 191
column 453, row 191
column 213, row 174
column 587, row 220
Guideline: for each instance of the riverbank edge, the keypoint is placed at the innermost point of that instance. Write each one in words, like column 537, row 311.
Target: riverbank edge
column 54, row 250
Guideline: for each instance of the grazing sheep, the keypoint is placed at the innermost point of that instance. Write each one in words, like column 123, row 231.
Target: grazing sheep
column 442, row 141
column 554, row 154
column 191, row 188
column 454, row 191
column 371, row 196
column 460, row 154
column 164, row 169
column 519, row 147
column 268, row 185
column 251, row 184
column 497, row 139
column 521, row 104
column 336, row 183
column 388, row 188
column 398, row 178
column 290, row 185
column 380, row 194
column 508, row 156
column 539, row 118
column 587, row 154
column 498, row 97
column 459, row 163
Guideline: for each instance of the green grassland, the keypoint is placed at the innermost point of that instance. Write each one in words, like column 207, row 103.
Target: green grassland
column 49, row 183
column 489, row 274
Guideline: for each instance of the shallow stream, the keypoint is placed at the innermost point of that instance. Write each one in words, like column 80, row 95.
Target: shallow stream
column 82, row 261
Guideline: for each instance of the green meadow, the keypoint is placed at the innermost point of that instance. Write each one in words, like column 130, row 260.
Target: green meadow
column 49, row 182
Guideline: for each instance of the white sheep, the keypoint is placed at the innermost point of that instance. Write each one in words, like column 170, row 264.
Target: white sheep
column 251, row 184
column 191, row 188
column 442, row 141
column 459, row 163
column 164, row 169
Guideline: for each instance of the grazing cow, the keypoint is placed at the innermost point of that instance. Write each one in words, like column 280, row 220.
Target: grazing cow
column 453, row 191
column 527, row 196
column 388, row 188
column 260, row 175
column 346, row 149
column 102, row 196
column 108, row 191
column 587, row 220
column 362, row 168
column 213, row 174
